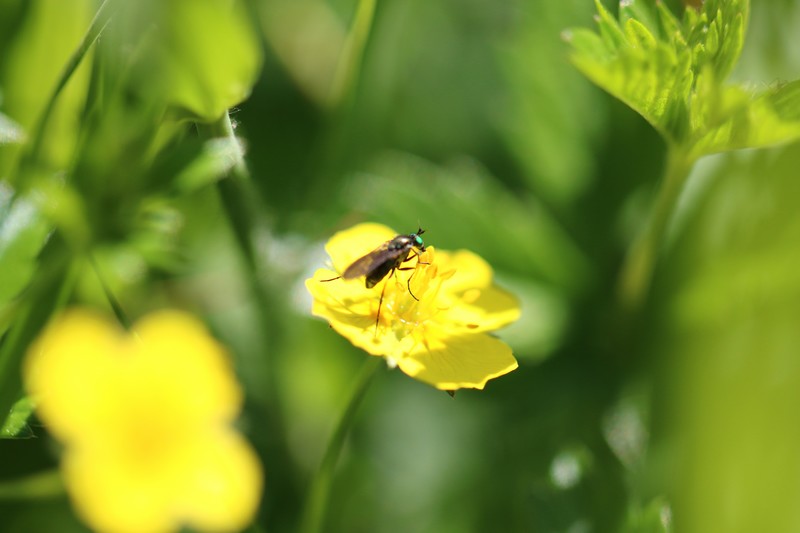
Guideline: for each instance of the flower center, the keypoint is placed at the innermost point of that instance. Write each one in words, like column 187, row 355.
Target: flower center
column 410, row 300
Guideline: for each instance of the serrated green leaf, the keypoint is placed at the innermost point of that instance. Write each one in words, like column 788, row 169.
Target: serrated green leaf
column 719, row 27
column 15, row 425
column 638, row 35
column 675, row 78
column 670, row 25
column 651, row 81
column 731, row 47
column 610, row 30
column 588, row 45
column 733, row 118
column 712, row 40
column 642, row 12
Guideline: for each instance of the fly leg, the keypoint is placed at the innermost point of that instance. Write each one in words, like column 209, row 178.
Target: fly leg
column 380, row 302
column 408, row 282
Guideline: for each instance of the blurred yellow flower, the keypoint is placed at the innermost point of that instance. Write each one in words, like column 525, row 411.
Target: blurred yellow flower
column 145, row 419
column 441, row 339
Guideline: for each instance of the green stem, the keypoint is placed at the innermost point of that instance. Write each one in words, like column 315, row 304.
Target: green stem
column 351, row 58
column 637, row 271
column 34, row 487
column 237, row 192
column 241, row 203
column 317, row 501
column 98, row 24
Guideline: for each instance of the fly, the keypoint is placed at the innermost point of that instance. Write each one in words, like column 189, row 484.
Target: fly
column 383, row 261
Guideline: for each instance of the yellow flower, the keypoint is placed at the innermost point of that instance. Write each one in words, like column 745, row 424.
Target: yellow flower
column 145, row 419
column 441, row 339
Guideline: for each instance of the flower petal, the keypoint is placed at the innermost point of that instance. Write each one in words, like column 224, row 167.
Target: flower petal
column 111, row 497
column 145, row 419
column 470, row 270
column 359, row 328
column 65, row 371
column 455, row 362
column 479, row 310
column 179, row 353
column 213, row 484
column 223, row 489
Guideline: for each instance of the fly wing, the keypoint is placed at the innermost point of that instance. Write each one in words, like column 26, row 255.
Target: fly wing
column 368, row 263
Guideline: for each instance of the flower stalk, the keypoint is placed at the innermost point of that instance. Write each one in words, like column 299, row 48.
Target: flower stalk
column 637, row 271
column 352, row 55
column 38, row 486
column 319, row 494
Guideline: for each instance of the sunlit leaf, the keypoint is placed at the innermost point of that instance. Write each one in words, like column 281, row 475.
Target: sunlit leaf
column 200, row 57
column 730, row 118
column 44, row 37
column 16, row 423
column 653, row 76
column 22, row 234
column 673, row 73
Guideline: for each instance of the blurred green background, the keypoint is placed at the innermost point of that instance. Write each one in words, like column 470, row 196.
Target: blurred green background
column 466, row 118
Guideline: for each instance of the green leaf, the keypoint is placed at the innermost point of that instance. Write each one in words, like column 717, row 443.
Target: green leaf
column 651, row 76
column 46, row 33
column 22, row 234
column 672, row 73
column 16, row 423
column 718, row 34
column 643, row 13
column 200, row 57
column 733, row 118
column 785, row 100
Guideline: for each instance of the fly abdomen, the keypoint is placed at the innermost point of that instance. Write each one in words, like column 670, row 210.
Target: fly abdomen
column 380, row 271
